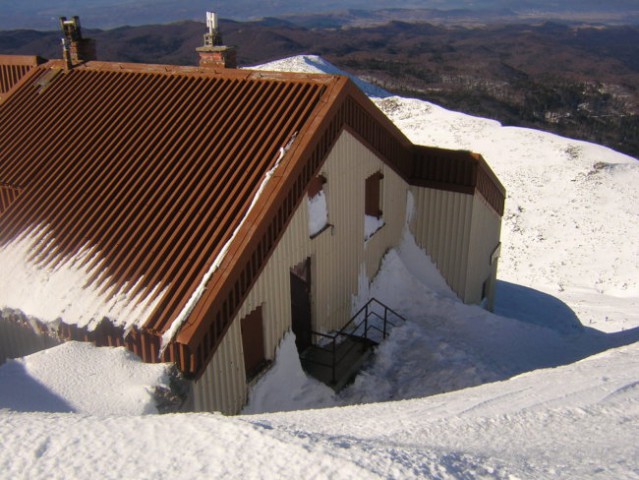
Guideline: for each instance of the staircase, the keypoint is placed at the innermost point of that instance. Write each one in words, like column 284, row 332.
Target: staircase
column 337, row 357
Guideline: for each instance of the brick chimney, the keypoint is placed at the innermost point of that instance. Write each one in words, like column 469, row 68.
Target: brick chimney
column 214, row 54
column 76, row 50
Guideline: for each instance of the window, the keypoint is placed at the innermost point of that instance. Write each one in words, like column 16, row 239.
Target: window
column 317, row 207
column 373, row 205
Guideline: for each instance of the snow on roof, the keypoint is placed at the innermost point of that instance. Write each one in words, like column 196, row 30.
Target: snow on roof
column 156, row 183
column 67, row 291
column 126, row 200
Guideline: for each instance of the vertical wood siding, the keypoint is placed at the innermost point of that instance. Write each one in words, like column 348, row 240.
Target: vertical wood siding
column 222, row 387
column 459, row 232
column 336, row 255
column 484, row 238
column 441, row 225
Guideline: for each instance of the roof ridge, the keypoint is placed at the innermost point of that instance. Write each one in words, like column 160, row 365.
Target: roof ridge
column 234, row 73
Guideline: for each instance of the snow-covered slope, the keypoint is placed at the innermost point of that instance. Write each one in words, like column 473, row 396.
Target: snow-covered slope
column 572, row 212
column 564, row 402
column 578, row 421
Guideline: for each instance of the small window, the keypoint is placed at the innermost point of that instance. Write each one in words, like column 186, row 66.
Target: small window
column 373, row 205
column 317, row 207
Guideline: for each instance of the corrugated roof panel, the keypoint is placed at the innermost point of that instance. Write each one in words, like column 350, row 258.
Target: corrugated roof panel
column 13, row 68
column 155, row 170
column 8, row 194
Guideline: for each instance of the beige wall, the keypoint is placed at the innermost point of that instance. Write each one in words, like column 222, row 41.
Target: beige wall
column 459, row 232
column 226, row 373
column 484, row 239
column 337, row 255
column 441, row 224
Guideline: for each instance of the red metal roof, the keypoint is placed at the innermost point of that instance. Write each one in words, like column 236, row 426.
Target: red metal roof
column 13, row 68
column 156, row 168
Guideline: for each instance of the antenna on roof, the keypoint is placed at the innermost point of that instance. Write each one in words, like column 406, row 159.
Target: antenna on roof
column 213, row 37
column 214, row 54
column 71, row 28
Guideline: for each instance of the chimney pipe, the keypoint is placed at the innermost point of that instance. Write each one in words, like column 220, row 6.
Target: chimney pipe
column 75, row 48
column 214, row 54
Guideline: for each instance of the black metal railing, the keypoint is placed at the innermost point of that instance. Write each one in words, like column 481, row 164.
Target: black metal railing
column 368, row 327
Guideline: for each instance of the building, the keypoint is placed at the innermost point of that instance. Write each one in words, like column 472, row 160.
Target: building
column 191, row 213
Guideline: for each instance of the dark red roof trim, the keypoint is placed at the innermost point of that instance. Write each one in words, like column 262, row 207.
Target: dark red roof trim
column 13, row 68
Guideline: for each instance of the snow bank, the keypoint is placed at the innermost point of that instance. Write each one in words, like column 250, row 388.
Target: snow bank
column 79, row 377
column 577, row 421
column 316, row 64
column 572, row 211
column 286, row 387
column 571, row 422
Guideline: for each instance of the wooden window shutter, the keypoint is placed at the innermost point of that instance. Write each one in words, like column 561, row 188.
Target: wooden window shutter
column 253, row 342
column 316, row 185
column 373, row 195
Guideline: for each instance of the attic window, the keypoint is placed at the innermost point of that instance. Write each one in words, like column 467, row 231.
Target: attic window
column 372, row 205
column 317, row 207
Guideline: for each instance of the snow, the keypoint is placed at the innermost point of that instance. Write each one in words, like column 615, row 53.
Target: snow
column 65, row 290
column 317, row 213
column 578, row 421
column 572, row 208
column 286, row 387
column 546, row 388
column 371, row 225
column 79, row 377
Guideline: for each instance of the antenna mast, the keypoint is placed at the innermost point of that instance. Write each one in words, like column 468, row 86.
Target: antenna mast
column 213, row 37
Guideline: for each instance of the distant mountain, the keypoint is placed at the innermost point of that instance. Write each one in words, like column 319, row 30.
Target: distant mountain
column 42, row 14
column 579, row 81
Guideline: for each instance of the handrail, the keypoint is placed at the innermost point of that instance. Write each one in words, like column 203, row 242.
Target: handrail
column 352, row 329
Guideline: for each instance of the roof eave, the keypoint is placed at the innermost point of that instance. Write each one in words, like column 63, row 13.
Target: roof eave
column 258, row 220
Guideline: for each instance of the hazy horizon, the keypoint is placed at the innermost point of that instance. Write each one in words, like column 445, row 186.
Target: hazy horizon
column 43, row 15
